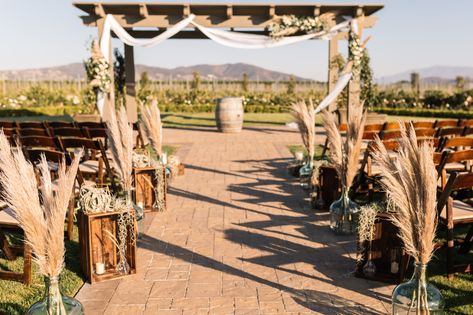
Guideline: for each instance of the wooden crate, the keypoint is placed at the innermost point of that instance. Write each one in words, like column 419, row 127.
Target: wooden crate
column 96, row 245
column 384, row 241
column 145, row 182
column 329, row 188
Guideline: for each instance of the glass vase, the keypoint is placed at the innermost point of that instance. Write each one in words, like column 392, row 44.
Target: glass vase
column 54, row 303
column 417, row 296
column 122, row 267
column 369, row 268
column 305, row 172
column 344, row 215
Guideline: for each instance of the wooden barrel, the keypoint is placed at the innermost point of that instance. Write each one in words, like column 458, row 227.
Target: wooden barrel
column 229, row 114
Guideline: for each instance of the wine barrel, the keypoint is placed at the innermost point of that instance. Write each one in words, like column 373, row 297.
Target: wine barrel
column 229, row 114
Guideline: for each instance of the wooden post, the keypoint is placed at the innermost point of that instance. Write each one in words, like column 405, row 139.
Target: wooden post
column 130, row 84
column 332, row 69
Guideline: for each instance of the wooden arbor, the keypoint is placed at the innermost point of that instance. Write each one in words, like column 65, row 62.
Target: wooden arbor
column 146, row 20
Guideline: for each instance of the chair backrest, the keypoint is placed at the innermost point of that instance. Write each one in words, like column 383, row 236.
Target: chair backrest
column 450, row 131
column 459, row 156
column 9, row 132
column 420, row 133
column 34, row 155
column 455, row 182
column 457, row 142
column 39, row 142
column 447, row 123
column 95, row 132
column 388, row 126
column 466, row 122
column 42, row 132
column 61, row 124
column 424, row 124
column 68, row 132
column 369, row 135
column 75, row 143
column 7, row 124
column 31, row 124
column 374, row 127
column 91, row 124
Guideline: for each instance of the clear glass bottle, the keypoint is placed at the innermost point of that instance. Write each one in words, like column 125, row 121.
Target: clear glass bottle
column 344, row 215
column 139, row 212
column 54, row 303
column 369, row 269
column 417, row 296
column 305, row 172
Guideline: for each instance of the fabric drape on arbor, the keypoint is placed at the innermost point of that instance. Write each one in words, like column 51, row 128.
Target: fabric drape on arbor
column 229, row 39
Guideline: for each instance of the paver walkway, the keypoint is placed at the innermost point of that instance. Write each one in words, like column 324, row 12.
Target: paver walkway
column 238, row 238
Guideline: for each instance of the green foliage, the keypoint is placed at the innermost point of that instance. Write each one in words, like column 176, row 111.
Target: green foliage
column 195, row 84
column 415, row 83
column 460, row 83
column 119, row 73
column 367, row 93
column 144, row 91
column 291, row 85
column 245, row 83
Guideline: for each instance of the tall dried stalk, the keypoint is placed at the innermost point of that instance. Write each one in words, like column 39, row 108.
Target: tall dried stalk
column 345, row 155
column 150, row 122
column 410, row 181
column 120, row 135
column 40, row 216
column 305, row 119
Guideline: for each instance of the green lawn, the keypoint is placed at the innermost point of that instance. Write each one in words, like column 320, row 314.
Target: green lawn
column 15, row 298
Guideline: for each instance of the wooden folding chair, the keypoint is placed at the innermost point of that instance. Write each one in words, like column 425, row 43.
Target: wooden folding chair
column 41, row 132
column 8, row 124
column 451, row 132
column 447, row 123
column 95, row 163
column 31, row 124
column 457, row 143
column 56, row 157
column 60, row 124
column 68, row 132
column 424, row 124
column 453, row 213
column 39, row 142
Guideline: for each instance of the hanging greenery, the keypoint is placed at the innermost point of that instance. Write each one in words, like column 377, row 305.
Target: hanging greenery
column 290, row 24
column 97, row 69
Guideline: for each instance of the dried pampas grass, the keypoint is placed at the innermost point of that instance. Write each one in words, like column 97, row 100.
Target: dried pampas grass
column 120, row 135
column 40, row 216
column 150, row 122
column 345, row 155
column 410, row 181
column 305, row 119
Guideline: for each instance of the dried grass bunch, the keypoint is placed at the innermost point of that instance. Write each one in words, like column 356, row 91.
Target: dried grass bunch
column 41, row 216
column 410, row 181
column 366, row 221
column 344, row 155
column 120, row 135
column 305, row 118
column 150, row 122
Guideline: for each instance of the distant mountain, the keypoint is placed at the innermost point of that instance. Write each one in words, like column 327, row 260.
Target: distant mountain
column 230, row 71
column 435, row 74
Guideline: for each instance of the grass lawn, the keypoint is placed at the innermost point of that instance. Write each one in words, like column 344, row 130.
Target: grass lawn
column 15, row 298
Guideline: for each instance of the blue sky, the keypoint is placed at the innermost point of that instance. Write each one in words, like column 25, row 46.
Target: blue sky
column 410, row 34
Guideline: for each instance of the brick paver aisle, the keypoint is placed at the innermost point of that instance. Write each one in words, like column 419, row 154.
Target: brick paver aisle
column 238, row 238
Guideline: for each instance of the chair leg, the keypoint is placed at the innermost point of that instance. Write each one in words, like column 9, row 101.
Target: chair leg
column 70, row 219
column 466, row 246
column 450, row 252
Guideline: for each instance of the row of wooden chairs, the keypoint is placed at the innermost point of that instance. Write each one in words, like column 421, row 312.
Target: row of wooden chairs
column 50, row 124
column 454, row 160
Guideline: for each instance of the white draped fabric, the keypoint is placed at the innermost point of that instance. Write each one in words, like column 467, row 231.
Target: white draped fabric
column 226, row 38
column 332, row 96
column 223, row 37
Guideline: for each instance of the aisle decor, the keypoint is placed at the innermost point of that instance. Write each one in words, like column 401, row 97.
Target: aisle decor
column 150, row 122
column 344, row 156
column 366, row 225
column 120, row 136
column 107, row 234
column 410, row 182
column 40, row 208
column 97, row 69
column 304, row 116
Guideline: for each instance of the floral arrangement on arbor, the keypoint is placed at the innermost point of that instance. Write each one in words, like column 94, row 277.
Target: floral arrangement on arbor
column 97, row 69
column 290, row 24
